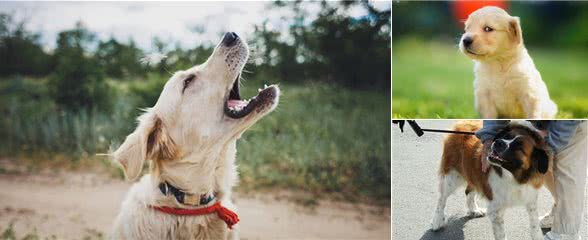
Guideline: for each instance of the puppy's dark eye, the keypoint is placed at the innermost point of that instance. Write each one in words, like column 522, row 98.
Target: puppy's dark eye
column 187, row 81
column 488, row 29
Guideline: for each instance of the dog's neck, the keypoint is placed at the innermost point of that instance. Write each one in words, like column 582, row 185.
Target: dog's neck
column 210, row 170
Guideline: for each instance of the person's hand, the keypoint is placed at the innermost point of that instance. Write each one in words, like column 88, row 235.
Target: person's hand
column 485, row 151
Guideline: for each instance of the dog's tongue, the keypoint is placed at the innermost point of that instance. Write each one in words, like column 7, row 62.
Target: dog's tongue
column 233, row 103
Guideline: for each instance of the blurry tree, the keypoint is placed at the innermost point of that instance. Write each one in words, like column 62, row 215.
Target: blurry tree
column 278, row 58
column 161, row 47
column 357, row 50
column 78, row 83
column 119, row 60
column 20, row 51
column 335, row 47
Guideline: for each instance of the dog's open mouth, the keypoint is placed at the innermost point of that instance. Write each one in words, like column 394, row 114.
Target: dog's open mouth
column 237, row 108
column 495, row 159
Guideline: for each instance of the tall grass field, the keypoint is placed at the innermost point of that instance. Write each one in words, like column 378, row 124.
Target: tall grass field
column 432, row 79
column 321, row 138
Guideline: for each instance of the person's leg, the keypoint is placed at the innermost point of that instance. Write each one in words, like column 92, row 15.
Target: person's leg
column 570, row 184
column 547, row 219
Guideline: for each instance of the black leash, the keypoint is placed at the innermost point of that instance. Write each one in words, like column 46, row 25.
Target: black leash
column 420, row 131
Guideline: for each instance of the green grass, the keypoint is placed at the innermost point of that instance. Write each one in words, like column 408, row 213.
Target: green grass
column 432, row 79
column 321, row 139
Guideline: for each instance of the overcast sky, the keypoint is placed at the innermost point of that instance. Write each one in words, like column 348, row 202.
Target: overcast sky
column 170, row 21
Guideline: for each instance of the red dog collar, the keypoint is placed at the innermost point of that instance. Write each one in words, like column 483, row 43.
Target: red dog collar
column 223, row 213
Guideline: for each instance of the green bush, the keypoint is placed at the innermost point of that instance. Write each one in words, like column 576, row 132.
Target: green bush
column 33, row 123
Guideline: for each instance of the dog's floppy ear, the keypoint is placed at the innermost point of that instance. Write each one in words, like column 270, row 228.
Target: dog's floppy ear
column 541, row 159
column 150, row 141
column 514, row 29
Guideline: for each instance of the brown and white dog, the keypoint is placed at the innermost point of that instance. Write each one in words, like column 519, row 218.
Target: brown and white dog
column 519, row 158
column 190, row 137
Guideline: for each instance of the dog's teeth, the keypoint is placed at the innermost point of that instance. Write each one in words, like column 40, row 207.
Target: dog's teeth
column 264, row 85
column 259, row 90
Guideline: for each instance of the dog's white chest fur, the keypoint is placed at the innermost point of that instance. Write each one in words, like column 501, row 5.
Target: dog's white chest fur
column 502, row 89
column 142, row 222
column 507, row 192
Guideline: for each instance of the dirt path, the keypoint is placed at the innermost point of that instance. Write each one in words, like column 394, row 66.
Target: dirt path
column 83, row 206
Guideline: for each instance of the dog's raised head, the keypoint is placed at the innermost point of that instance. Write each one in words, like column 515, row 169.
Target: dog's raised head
column 520, row 149
column 198, row 115
column 490, row 32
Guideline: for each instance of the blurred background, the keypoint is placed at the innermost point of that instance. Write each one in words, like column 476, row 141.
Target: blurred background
column 72, row 85
column 433, row 79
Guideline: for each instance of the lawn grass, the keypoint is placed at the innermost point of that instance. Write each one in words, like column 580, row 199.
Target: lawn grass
column 432, row 79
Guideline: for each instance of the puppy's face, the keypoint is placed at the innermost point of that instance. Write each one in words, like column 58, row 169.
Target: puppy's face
column 490, row 32
column 199, row 110
column 521, row 150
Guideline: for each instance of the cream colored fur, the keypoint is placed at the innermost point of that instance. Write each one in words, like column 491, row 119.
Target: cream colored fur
column 191, row 144
column 507, row 84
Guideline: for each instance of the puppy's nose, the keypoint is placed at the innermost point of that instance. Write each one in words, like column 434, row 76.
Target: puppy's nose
column 500, row 146
column 230, row 39
column 467, row 41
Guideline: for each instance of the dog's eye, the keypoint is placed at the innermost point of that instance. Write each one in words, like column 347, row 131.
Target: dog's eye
column 488, row 29
column 508, row 136
column 187, row 81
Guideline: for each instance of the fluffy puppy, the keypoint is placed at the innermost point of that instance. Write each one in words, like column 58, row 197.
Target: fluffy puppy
column 507, row 84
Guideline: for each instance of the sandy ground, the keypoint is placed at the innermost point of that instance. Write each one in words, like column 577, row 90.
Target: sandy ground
column 83, row 206
column 414, row 193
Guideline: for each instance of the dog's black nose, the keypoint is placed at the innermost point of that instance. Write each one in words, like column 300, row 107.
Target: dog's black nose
column 500, row 146
column 467, row 41
column 230, row 39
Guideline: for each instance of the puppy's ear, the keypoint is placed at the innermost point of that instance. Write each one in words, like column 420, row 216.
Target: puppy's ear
column 514, row 29
column 149, row 141
column 540, row 159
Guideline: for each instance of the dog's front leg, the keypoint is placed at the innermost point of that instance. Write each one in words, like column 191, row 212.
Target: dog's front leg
column 532, row 107
column 496, row 215
column 535, row 228
column 485, row 105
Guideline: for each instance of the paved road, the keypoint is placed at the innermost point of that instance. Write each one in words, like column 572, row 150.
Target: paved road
column 414, row 193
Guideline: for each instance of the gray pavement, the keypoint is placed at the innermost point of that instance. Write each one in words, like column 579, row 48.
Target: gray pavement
column 415, row 163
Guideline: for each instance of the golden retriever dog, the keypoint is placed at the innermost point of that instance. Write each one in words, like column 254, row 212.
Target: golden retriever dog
column 520, row 161
column 507, row 84
column 190, row 137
